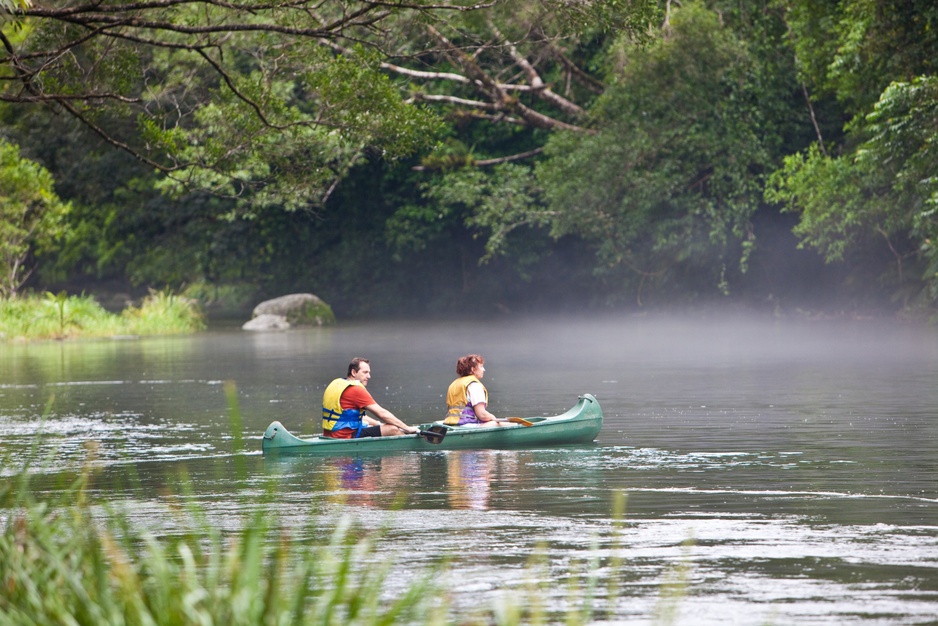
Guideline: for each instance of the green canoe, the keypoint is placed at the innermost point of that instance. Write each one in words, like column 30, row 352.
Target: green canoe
column 581, row 424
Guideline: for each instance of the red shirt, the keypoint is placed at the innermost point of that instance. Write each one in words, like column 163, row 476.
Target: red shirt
column 355, row 397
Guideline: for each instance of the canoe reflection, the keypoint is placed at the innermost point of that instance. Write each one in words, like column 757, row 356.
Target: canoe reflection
column 367, row 481
column 469, row 474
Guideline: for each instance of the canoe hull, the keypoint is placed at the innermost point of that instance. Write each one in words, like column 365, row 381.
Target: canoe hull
column 580, row 425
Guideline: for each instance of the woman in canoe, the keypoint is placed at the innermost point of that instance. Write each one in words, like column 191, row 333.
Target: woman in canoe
column 467, row 399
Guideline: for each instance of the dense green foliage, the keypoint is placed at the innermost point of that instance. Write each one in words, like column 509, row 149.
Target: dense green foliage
column 31, row 216
column 473, row 158
column 671, row 178
column 876, row 186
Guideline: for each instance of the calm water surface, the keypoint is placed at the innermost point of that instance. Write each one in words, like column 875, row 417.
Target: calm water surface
column 787, row 473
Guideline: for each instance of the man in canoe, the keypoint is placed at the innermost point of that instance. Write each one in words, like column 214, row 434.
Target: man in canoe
column 345, row 402
column 467, row 398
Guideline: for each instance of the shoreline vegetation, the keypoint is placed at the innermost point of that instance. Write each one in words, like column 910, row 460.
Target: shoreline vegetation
column 59, row 316
column 38, row 317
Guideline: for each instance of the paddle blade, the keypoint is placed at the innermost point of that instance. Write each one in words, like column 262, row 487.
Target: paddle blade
column 434, row 435
column 520, row 420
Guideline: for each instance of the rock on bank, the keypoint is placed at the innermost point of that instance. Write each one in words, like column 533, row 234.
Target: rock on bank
column 293, row 310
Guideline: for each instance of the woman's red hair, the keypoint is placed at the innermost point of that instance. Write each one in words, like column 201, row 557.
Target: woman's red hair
column 466, row 364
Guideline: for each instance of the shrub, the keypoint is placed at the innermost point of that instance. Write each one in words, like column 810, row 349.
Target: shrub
column 58, row 316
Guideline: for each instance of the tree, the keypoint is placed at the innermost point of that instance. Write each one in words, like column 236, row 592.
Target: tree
column 525, row 63
column 30, row 216
column 242, row 100
column 903, row 150
column 273, row 102
column 885, row 193
column 874, row 190
column 667, row 184
column 657, row 174
column 505, row 79
column 491, row 204
column 856, row 48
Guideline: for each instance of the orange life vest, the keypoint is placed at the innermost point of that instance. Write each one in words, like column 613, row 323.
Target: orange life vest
column 457, row 402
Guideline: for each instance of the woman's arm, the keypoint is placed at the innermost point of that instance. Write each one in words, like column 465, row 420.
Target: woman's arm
column 482, row 412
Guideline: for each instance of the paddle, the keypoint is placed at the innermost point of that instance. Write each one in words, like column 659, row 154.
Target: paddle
column 434, row 435
column 516, row 420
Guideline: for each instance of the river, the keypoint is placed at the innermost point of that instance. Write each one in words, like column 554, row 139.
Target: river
column 775, row 472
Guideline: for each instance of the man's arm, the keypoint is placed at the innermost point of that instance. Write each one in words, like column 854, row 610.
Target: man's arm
column 388, row 418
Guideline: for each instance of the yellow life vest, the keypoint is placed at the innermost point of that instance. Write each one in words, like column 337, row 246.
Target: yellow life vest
column 334, row 417
column 458, row 409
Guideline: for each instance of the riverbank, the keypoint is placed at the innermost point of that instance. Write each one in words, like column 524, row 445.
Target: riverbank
column 59, row 316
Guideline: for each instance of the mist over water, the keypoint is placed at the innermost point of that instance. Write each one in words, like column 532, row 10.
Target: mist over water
column 789, row 468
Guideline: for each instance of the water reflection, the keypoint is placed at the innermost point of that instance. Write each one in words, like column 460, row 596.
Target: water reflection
column 468, row 475
column 367, row 481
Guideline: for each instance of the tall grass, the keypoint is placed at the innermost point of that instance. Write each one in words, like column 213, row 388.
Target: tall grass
column 75, row 563
column 163, row 313
column 57, row 316
column 68, row 562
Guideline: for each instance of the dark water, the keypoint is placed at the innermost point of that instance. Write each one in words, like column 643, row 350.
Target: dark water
column 783, row 473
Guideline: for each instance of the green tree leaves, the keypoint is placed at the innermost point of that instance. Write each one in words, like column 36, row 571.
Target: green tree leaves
column 885, row 193
column 252, row 103
column 876, row 189
column 637, row 137
column 828, row 194
column 491, row 204
column 856, row 48
column 672, row 174
column 30, row 216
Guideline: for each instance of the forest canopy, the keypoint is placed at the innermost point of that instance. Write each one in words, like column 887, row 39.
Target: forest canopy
column 402, row 158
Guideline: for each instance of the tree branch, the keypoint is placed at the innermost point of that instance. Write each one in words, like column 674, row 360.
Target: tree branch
column 82, row 97
column 111, row 140
column 487, row 162
column 541, row 89
column 238, row 94
column 477, row 104
column 499, row 96
column 817, row 129
column 514, row 157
